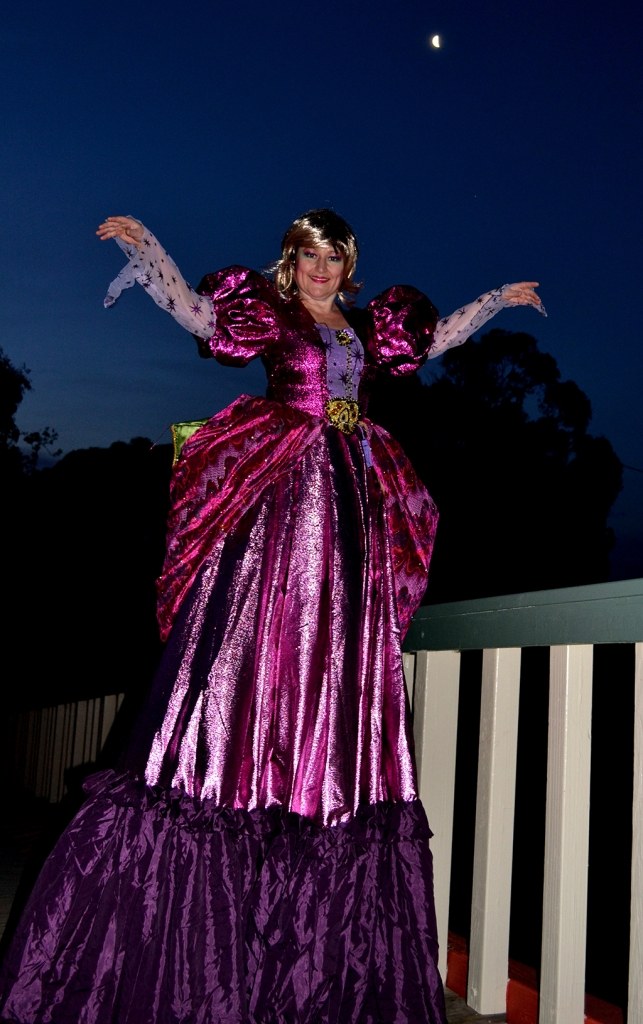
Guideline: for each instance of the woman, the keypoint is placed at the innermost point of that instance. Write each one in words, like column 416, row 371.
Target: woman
column 263, row 855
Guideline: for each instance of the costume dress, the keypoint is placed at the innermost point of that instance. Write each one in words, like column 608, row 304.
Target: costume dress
column 262, row 857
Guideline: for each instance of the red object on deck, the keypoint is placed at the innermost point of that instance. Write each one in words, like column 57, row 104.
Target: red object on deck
column 522, row 989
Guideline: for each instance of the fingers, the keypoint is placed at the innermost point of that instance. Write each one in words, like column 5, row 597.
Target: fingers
column 522, row 294
column 126, row 228
column 523, row 287
column 112, row 227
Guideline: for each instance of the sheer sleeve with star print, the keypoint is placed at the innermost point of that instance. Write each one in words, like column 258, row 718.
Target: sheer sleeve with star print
column 155, row 270
column 405, row 329
column 454, row 330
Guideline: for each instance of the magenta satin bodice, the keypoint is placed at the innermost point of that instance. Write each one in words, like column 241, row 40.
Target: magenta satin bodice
column 396, row 331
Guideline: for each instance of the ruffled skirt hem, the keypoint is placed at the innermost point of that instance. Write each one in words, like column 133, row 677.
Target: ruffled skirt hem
column 155, row 908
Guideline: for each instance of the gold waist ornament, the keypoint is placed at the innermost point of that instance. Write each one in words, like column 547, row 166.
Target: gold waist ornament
column 343, row 413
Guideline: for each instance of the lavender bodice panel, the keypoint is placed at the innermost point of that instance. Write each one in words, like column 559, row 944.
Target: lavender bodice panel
column 344, row 362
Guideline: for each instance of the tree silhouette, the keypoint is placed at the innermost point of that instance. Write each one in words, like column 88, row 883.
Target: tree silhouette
column 19, row 453
column 91, row 545
column 17, row 461
column 501, row 442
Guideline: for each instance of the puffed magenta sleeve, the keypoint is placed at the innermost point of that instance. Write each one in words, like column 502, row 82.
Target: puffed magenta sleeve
column 243, row 302
column 401, row 322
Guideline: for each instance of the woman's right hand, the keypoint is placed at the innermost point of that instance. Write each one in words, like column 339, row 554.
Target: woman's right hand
column 126, row 228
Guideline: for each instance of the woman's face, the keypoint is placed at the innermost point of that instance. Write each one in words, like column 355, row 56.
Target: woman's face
column 319, row 271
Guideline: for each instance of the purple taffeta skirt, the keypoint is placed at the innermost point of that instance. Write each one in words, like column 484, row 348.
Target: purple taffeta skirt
column 263, row 857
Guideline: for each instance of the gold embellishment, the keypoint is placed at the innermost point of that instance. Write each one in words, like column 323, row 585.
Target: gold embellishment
column 343, row 414
column 343, row 336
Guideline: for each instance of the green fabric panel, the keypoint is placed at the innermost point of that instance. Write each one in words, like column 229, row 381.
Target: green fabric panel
column 181, row 432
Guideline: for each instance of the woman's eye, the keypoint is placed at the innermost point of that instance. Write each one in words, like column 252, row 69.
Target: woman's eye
column 335, row 259
column 310, row 255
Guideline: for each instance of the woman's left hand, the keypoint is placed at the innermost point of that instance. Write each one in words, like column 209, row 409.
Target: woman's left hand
column 523, row 294
column 128, row 229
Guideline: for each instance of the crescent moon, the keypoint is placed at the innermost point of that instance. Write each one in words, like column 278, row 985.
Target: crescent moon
column 436, row 42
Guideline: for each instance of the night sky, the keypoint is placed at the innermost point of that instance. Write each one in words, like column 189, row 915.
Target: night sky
column 512, row 152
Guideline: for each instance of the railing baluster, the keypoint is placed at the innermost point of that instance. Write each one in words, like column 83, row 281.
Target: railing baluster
column 435, row 730
column 562, row 987
column 493, row 855
column 635, row 992
column 78, row 745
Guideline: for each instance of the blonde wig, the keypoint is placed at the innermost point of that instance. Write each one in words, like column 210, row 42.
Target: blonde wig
column 317, row 227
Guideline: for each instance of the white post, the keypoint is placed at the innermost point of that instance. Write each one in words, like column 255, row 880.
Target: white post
column 562, row 989
column 435, row 729
column 493, row 855
column 635, row 994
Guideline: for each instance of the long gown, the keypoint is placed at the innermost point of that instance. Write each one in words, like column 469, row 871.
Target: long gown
column 262, row 857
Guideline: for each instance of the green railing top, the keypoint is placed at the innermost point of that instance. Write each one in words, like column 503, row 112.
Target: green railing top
column 601, row 613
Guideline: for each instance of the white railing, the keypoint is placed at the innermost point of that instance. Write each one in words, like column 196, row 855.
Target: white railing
column 570, row 623
column 47, row 742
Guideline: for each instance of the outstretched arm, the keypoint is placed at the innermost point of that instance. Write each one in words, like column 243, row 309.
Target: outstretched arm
column 156, row 271
column 455, row 329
